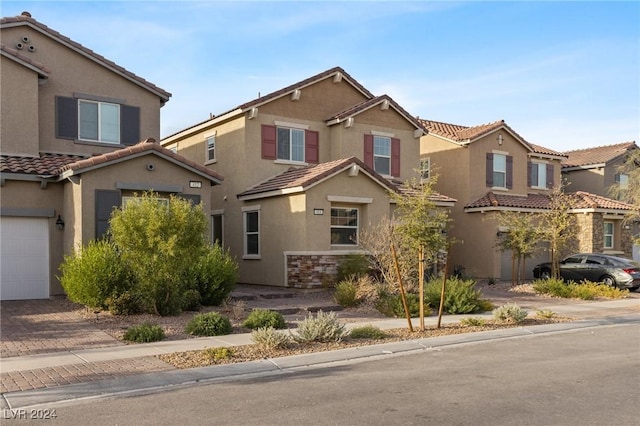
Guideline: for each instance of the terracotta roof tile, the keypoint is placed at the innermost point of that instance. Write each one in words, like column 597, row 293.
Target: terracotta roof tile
column 435, row 196
column 27, row 20
column 597, row 155
column 19, row 57
column 580, row 200
column 304, row 177
column 44, row 165
column 542, row 150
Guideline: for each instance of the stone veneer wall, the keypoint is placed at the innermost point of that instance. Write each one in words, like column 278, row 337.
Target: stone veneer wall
column 312, row 270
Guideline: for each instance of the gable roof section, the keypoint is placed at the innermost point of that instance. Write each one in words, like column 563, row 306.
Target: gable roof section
column 463, row 135
column 299, row 179
column 597, row 156
column 25, row 61
column 581, row 201
column 61, row 166
column 382, row 101
column 26, row 20
column 437, row 198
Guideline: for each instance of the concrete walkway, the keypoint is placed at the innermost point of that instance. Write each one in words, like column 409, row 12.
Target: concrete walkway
column 57, row 377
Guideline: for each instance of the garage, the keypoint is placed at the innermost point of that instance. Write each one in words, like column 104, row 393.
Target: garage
column 24, row 258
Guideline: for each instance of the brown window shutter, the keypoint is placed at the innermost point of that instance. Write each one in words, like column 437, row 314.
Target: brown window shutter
column 311, row 150
column 509, row 172
column 489, row 169
column 529, row 166
column 66, row 118
column 395, row 157
column 129, row 125
column 550, row 177
column 368, row 150
column 106, row 201
column 268, row 142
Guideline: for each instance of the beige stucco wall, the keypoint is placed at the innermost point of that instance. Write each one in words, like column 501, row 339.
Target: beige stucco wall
column 72, row 73
column 18, row 109
column 589, row 180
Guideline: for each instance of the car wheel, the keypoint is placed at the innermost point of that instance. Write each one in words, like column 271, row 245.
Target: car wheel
column 608, row 281
column 545, row 274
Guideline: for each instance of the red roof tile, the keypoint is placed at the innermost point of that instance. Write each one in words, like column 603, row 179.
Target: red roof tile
column 26, row 20
column 44, row 165
column 597, row 155
column 580, row 200
column 15, row 55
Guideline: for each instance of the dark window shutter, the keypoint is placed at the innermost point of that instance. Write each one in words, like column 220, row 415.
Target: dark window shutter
column 129, row 125
column 106, row 200
column 550, row 179
column 194, row 198
column 489, row 169
column 66, row 118
column 395, row 157
column 509, row 172
column 616, row 178
column 529, row 166
column 368, row 150
column 268, row 142
column 311, row 149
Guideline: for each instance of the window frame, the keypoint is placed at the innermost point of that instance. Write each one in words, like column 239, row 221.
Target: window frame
column 501, row 172
column 290, row 143
column 376, row 156
column 100, row 121
column 425, row 172
column 210, row 146
column 539, row 166
column 246, row 211
column 217, row 239
column 338, row 226
column 610, row 235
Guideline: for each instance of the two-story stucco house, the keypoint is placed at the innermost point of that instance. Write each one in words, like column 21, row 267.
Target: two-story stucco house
column 596, row 170
column 72, row 123
column 490, row 168
column 307, row 168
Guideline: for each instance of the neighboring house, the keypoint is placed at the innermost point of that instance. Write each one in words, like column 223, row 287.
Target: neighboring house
column 489, row 169
column 308, row 167
column 596, row 170
column 71, row 150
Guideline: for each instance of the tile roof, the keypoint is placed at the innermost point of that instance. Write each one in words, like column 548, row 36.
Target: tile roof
column 15, row 55
column 25, row 19
column 436, row 197
column 305, row 177
column 54, row 165
column 370, row 103
column 580, row 200
column 596, row 155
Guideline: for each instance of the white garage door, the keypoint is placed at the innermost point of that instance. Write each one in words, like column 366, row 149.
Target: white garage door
column 24, row 258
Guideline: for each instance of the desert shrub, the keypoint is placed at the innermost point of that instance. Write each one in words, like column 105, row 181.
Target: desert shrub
column 391, row 305
column 485, row 305
column 555, row 287
column 472, row 322
column 321, row 328
column 585, row 290
column 545, row 314
column 94, row 273
column 509, row 313
column 367, row 332
column 214, row 275
column 127, row 303
column 269, row 338
column 209, row 324
column 461, row 296
column 259, row 318
column 144, row 333
column 345, row 293
column 191, row 300
column 369, row 289
column 353, row 266
column 218, row 354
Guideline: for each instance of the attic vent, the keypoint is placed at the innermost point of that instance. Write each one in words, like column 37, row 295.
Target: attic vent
column 337, row 78
column 295, row 96
column 19, row 46
column 384, row 105
column 253, row 113
column 348, row 122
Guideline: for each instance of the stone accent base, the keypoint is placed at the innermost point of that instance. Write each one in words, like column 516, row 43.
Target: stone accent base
column 312, row 270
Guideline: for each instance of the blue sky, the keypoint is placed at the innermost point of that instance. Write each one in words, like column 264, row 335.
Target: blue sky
column 565, row 75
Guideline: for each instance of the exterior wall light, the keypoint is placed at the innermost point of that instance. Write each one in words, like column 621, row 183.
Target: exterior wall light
column 60, row 223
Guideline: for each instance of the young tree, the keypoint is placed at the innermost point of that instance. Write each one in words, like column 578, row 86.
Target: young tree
column 521, row 239
column 556, row 224
column 627, row 188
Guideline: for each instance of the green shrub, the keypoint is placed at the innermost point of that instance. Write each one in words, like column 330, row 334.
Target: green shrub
column 321, row 328
column 485, row 305
column 353, row 266
column 509, row 313
column 461, row 296
column 472, row 322
column 555, row 287
column 585, row 290
column 144, row 333
column 191, row 300
column 259, row 318
column 210, row 324
column 367, row 332
column 545, row 314
column 269, row 338
column 94, row 273
column 345, row 293
column 127, row 303
column 391, row 305
column 213, row 275
column 218, row 354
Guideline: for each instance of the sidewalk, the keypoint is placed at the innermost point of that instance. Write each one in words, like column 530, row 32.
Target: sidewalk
column 102, row 365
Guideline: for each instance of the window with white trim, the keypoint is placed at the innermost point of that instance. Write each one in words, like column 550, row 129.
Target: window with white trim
column 344, row 226
column 211, row 148
column 425, row 168
column 290, row 144
column 98, row 121
column 382, row 154
column 538, row 175
column 251, row 232
column 608, row 235
column 623, row 181
column 499, row 170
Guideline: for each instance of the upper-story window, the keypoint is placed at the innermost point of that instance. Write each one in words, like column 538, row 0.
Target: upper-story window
column 211, row 148
column 425, row 168
column 540, row 175
column 623, row 181
column 382, row 153
column 499, row 170
column 290, row 144
column 99, row 121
